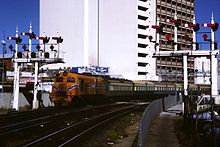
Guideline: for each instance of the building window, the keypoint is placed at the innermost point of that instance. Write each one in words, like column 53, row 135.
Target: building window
column 141, row 27
column 142, row 55
column 142, row 36
column 142, row 8
column 142, row 45
column 142, row 17
column 142, row 64
column 142, row 73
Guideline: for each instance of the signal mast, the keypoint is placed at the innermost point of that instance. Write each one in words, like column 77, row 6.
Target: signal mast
column 192, row 53
column 212, row 53
column 31, row 58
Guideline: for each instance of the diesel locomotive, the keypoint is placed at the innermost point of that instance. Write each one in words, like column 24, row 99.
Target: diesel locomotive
column 74, row 88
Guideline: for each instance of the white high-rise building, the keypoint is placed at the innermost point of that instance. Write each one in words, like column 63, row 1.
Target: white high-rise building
column 108, row 33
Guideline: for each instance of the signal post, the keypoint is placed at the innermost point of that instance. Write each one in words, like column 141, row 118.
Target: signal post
column 31, row 58
column 212, row 53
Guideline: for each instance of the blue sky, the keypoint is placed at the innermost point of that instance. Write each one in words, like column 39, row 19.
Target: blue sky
column 20, row 12
column 204, row 9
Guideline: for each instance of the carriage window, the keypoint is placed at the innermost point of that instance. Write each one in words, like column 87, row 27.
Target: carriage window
column 59, row 79
column 70, row 79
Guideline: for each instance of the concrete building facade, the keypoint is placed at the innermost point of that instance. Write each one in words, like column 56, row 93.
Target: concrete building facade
column 114, row 34
column 171, row 69
column 104, row 33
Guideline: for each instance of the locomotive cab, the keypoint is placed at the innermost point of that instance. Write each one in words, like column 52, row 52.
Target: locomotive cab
column 63, row 88
column 71, row 87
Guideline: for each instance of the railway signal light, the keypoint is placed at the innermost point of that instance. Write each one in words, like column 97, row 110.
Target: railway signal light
column 17, row 39
column 24, row 47
column 52, row 47
column 168, row 37
column 33, row 55
column 19, row 54
column 38, row 47
column 150, row 38
column 58, row 39
column 205, row 36
column 196, row 27
column 31, row 35
column 177, row 23
column 159, row 28
column 46, row 55
column 45, row 39
column 214, row 26
column 11, row 47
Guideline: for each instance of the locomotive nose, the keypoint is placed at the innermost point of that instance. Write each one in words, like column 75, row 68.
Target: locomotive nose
column 61, row 87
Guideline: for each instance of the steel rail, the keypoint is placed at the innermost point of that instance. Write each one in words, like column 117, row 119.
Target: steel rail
column 77, row 125
column 87, row 131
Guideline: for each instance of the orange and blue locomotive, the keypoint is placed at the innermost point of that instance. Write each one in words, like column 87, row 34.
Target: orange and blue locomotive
column 71, row 87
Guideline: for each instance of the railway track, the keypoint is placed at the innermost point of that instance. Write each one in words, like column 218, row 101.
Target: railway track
column 19, row 133
column 71, row 134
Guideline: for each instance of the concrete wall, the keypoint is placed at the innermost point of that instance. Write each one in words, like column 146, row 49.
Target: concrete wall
column 46, row 100
column 6, row 100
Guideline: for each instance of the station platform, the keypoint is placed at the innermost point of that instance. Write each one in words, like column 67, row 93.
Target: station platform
column 162, row 132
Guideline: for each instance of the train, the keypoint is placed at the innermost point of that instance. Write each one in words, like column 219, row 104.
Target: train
column 75, row 88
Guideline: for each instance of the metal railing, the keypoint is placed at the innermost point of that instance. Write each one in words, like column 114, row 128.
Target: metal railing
column 150, row 113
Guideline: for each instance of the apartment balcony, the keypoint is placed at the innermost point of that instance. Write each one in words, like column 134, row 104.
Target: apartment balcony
column 142, row 69
column 142, row 41
column 143, row 4
column 142, row 22
column 143, row 13
column 143, row 51
column 142, row 31
column 142, row 59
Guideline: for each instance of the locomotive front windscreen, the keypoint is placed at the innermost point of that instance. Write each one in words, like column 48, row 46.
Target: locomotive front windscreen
column 59, row 79
column 71, row 79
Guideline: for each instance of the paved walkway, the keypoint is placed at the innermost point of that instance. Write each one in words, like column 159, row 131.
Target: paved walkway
column 162, row 132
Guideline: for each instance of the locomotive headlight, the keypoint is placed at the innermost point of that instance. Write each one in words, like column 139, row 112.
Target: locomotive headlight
column 65, row 73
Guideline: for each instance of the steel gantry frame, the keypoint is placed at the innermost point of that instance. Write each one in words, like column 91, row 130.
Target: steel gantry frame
column 29, row 60
column 212, row 53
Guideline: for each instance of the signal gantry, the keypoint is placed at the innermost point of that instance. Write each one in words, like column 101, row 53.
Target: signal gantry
column 36, row 58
